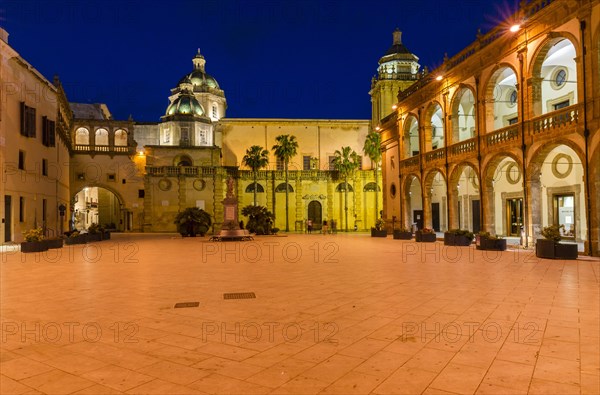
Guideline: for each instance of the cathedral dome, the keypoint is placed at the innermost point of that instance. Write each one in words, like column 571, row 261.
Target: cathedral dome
column 398, row 51
column 199, row 78
column 185, row 104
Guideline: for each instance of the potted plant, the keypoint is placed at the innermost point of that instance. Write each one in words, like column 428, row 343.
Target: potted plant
column 54, row 242
column 487, row 241
column 193, row 221
column 34, row 241
column 550, row 246
column 76, row 238
column 402, row 234
column 379, row 229
column 94, row 233
column 458, row 237
column 425, row 235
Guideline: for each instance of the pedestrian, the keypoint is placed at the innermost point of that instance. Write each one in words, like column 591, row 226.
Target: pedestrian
column 325, row 227
column 309, row 225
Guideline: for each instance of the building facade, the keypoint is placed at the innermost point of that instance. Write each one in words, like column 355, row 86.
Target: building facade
column 504, row 136
column 136, row 176
column 34, row 149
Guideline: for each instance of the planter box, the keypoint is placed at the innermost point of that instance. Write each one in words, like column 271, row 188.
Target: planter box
column 551, row 250
column 94, row 237
column 79, row 239
column 378, row 233
column 425, row 237
column 54, row 243
column 34, row 246
column 450, row 239
column 483, row 243
column 400, row 235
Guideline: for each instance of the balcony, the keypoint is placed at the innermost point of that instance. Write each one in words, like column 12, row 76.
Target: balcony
column 410, row 164
column 435, row 156
column 463, row 147
column 103, row 149
column 556, row 121
column 502, row 137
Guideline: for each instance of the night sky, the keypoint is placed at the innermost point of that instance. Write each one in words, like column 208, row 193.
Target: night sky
column 273, row 59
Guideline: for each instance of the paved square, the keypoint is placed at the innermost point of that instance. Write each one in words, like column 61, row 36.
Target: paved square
column 336, row 314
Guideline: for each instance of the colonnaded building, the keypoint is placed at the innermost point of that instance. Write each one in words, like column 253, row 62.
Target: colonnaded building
column 504, row 136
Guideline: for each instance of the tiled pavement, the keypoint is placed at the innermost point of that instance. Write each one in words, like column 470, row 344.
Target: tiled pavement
column 336, row 314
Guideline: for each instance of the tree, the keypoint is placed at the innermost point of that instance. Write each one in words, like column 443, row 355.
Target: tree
column 372, row 149
column 256, row 158
column 345, row 162
column 285, row 149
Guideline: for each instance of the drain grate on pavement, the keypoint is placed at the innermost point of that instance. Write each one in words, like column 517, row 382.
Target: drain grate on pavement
column 186, row 304
column 240, row 295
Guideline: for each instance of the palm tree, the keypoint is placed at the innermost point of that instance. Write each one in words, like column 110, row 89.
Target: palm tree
column 256, row 158
column 345, row 162
column 372, row 149
column 285, row 149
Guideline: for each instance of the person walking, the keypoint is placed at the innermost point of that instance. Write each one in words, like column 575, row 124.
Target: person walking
column 309, row 226
column 325, row 227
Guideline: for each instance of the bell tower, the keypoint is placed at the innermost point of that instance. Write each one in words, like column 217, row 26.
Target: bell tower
column 398, row 69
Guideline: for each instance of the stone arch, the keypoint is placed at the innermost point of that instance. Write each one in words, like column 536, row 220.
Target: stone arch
column 594, row 183
column 430, row 128
column 456, row 123
column 84, row 215
column 460, row 206
column 411, row 123
column 101, row 136
column 435, row 202
column 82, row 136
column 408, row 202
column 499, row 111
column 281, row 188
column 183, row 160
column 497, row 193
column 259, row 188
column 121, row 137
column 541, row 192
column 539, row 84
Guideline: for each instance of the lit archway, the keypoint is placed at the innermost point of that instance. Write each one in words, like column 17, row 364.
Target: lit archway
column 464, row 197
column 434, row 127
column 463, row 115
column 435, row 202
column 411, row 137
column 97, row 205
column 502, row 99
column 504, row 197
column 412, row 203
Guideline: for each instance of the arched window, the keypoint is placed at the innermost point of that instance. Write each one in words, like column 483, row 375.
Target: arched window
column 101, row 137
column 342, row 187
column 121, row 138
column 259, row 188
column 82, row 136
column 183, row 160
column 281, row 188
column 371, row 187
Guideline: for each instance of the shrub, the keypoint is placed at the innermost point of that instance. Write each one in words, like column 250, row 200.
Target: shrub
column 36, row 234
column 192, row 221
column 552, row 232
column 260, row 220
column 380, row 224
column 462, row 232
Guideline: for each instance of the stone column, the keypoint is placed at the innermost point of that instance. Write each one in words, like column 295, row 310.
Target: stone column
column 269, row 190
column 358, row 192
column 330, row 192
column 299, row 202
column 148, row 208
column 240, row 196
column 453, row 206
column 489, row 213
column 218, row 196
column 534, row 209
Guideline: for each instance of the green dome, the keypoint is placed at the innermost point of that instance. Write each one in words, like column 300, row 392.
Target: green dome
column 185, row 104
column 200, row 78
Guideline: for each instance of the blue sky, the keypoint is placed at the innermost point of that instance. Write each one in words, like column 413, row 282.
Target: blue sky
column 273, row 59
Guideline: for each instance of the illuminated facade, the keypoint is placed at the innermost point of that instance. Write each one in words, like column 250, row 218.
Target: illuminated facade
column 504, row 136
column 136, row 176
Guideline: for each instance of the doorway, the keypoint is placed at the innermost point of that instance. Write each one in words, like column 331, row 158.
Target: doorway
column 476, row 215
column 564, row 214
column 514, row 216
column 7, row 218
column 418, row 218
column 315, row 214
column 435, row 216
